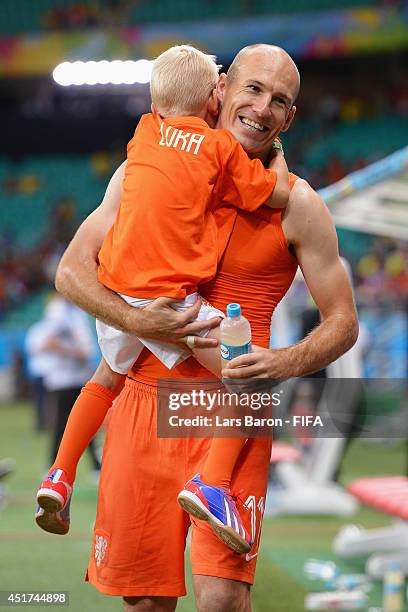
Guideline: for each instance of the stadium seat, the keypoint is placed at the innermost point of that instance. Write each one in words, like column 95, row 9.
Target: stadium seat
column 29, row 312
column 282, row 451
column 25, row 217
column 389, row 494
column 20, row 16
column 351, row 141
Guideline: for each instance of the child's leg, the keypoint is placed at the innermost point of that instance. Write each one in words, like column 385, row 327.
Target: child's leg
column 221, row 460
column 210, row 358
column 87, row 416
column 207, row 496
column 224, row 452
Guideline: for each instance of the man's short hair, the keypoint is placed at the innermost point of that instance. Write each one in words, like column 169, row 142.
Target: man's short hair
column 182, row 80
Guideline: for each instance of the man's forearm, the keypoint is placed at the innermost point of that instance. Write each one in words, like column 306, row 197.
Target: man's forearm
column 99, row 301
column 326, row 343
column 77, row 280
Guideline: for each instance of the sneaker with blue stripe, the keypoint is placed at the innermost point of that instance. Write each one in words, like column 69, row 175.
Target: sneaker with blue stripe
column 54, row 498
column 217, row 507
column 54, row 522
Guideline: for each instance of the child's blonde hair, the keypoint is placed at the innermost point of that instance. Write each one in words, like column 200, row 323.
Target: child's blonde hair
column 182, row 80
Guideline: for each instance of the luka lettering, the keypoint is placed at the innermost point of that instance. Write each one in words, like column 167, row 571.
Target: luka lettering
column 185, row 141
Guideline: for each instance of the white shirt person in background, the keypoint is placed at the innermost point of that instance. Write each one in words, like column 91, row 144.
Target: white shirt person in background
column 64, row 345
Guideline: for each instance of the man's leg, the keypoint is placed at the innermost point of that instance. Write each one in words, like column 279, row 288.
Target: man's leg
column 149, row 604
column 221, row 594
column 140, row 530
column 222, row 578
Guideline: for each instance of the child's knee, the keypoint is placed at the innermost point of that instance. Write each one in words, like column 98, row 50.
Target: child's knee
column 105, row 376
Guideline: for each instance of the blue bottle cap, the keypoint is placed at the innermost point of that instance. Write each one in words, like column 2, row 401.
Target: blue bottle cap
column 233, row 310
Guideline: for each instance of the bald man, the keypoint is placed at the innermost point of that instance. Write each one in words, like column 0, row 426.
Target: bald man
column 140, row 531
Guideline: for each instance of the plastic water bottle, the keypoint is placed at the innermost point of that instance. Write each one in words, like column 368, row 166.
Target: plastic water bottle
column 393, row 589
column 235, row 334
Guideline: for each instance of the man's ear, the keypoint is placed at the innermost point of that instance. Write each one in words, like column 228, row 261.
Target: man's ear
column 221, row 85
column 212, row 104
column 289, row 119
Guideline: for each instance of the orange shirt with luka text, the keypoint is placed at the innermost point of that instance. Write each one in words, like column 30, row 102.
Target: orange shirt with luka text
column 183, row 184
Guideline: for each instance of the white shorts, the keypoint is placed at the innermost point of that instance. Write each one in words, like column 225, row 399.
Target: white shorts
column 120, row 350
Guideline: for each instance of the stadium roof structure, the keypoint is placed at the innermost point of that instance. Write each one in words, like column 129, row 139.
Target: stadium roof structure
column 373, row 200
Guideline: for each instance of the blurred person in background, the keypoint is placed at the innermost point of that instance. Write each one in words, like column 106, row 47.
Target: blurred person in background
column 7, row 467
column 38, row 362
column 61, row 345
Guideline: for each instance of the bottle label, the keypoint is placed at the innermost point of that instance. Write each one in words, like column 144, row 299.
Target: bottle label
column 229, row 352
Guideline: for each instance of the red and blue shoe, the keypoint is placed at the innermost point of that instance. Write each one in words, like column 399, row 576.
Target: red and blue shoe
column 54, row 498
column 216, row 506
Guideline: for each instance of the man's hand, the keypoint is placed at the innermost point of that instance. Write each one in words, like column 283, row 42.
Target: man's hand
column 261, row 363
column 162, row 322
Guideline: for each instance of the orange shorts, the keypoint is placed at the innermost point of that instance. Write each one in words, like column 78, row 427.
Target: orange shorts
column 140, row 530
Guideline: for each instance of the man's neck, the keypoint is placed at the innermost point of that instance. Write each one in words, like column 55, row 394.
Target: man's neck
column 262, row 155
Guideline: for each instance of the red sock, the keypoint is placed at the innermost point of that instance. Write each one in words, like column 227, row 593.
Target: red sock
column 221, row 461
column 85, row 419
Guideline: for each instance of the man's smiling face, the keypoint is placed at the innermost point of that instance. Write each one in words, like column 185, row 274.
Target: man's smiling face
column 257, row 97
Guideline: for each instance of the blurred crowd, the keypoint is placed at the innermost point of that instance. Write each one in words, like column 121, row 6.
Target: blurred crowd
column 381, row 275
column 91, row 13
column 88, row 14
column 334, row 115
column 70, row 17
column 343, row 119
column 20, row 275
column 25, row 272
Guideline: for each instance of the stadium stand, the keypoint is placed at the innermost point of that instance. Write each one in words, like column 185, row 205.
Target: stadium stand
column 27, row 16
column 34, row 185
column 356, row 140
column 185, row 10
column 45, row 199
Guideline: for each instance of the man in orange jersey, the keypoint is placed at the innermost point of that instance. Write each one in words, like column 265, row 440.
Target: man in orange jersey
column 138, row 550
